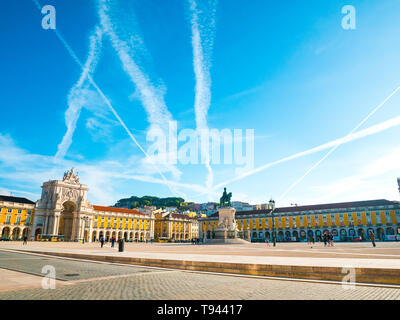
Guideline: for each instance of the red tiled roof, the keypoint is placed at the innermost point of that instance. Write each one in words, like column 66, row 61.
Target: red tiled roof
column 115, row 209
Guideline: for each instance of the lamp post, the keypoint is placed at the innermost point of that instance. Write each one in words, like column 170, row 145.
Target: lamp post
column 272, row 207
column 86, row 220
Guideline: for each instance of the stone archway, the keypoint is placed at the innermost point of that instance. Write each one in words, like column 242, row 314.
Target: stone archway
column 25, row 232
column 66, row 226
column 6, row 232
column 94, row 234
column 38, row 232
column 15, row 234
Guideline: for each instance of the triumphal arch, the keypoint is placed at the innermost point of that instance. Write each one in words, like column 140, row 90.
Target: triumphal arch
column 63, row 208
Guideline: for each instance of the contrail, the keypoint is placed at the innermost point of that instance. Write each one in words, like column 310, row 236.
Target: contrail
column 202, row 48
column 337, row 144
column 75, row 99
column 151, row 97
column 89, row 77
column 383, row 126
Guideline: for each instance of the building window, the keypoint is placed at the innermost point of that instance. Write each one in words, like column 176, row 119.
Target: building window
column 18, row 220
column 8, row 218
column 19, row 210
column 9, row 210
column 28, row 220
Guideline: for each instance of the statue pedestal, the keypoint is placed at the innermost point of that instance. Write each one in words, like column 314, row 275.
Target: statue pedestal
column 227, row 231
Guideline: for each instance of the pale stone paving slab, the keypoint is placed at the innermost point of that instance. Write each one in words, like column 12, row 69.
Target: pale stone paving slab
column 271, row 260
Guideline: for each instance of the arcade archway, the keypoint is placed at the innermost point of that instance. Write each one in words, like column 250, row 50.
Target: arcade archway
column 66, row 224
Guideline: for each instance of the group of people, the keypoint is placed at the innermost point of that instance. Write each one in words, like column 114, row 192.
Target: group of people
column 112, row 241
column 328, row 240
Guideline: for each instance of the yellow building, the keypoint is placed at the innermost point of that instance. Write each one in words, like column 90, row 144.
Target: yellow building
column 347, row 221
column 16, row 215
column 175, row 226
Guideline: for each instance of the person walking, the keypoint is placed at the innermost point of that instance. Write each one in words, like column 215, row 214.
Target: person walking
column 267, row 242
column 325, row 238
column 372, row 238
column 102, row 241
column 112, row 242
column 25, row 240
column 331, row 240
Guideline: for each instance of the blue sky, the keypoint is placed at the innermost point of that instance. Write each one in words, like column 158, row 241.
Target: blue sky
column 286, row 69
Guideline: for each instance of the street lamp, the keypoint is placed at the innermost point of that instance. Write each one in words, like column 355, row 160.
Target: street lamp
column 86, row 221
column 272, row 207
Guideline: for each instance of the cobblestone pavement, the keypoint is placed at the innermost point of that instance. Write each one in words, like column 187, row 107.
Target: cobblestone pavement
column 176, row 285
column 65, row 269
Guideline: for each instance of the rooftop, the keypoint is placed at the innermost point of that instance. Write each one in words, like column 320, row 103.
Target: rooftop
column 327, row 206
column 115, row 209
column 16, row 199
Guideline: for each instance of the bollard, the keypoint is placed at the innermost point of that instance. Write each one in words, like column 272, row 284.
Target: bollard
column 121, row 245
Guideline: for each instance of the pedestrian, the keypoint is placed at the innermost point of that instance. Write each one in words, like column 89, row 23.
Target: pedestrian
column 331, row 238
column 372, row 238
column 266, row 240
column 325, row 239
column 312, row 240
column 112, row 242
column 25, row 240
column 102, row 241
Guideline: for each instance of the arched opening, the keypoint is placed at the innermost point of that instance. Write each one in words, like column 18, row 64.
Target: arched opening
column 15, row 234
column 119, row 235
column 296, row 235
column 38, row 231
column 361, row 233
column 66, row 224
column 381, row 234
column 125, row 236
column 318, row 235
column 288, row 236
column 302, row 235
column 25, row 232
column 267, row 235
column 280, row 236
column 343, row 235
column 94, row 236
column 390, row 231
column 131, row 236
column 107, row 236
column 86, row 235
column 5, row 233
